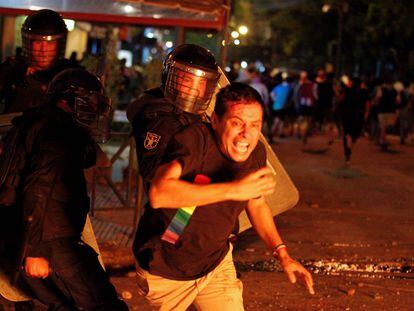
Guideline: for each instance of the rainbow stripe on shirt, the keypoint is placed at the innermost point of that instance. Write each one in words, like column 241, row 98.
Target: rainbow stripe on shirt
column 182, row 216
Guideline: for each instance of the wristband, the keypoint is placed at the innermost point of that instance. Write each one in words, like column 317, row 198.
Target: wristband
column 277, row 248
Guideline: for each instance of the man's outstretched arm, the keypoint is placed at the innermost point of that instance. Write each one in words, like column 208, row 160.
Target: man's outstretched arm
column 261, row 218
column 168, row 191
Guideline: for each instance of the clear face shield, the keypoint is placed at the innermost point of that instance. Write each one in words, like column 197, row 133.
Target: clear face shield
column 190, row 88
column 93, row 111
column 222, row 82
column 42, row 51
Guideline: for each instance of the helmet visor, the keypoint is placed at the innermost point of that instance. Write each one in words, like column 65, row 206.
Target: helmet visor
column 190, row 88
column 42, row 51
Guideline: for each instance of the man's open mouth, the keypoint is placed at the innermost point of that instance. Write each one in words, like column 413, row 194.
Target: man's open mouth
column 241, row 147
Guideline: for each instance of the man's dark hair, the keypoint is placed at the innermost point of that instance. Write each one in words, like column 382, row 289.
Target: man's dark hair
column 236, row 92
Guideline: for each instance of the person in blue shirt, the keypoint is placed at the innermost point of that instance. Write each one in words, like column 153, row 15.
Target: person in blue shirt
column 280, row 95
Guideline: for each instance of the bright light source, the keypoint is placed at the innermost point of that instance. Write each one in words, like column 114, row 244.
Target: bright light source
column 128, row 8
column 36, row 8
column 243, row 64
column 157, row 16
column 150, row 35
column 223, row 42
column 235, row 34
column 227, row 69
column 243, row 30
column 237, row 42
column 169, row 44
column 70, row 24
column 209, row 35
column 199, row 73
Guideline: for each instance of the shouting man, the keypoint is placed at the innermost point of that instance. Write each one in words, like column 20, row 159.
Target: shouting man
column 210, row 175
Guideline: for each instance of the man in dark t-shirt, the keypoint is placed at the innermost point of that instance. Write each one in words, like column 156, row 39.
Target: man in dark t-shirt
column 211, row 174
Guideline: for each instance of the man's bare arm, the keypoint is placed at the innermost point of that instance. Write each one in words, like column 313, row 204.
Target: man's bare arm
column 168, row 191
column 261, row 218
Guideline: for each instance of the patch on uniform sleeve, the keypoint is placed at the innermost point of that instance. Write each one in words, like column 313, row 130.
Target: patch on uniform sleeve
column 151, row 140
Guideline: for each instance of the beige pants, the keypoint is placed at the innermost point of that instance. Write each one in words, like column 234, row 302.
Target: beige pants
column 218, row 290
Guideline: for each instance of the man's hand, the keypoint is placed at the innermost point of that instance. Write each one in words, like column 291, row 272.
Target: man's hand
column 37, row 267
column 254, row 185
column 295, row 270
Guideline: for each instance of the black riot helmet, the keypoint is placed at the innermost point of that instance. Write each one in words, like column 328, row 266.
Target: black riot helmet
column 190, row 75
column 82, row 95
column 44, row 38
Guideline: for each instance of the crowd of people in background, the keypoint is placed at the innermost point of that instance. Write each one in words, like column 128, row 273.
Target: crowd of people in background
column 302, row 104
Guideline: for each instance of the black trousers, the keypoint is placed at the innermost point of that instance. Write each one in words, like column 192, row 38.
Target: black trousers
column 77, row 281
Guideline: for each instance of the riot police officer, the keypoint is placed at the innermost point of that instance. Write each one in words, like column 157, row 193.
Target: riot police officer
column 23, row 81
column 61, row 270
column 189, row 79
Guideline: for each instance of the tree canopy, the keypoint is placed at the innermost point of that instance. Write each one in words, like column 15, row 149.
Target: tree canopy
column 302, row 34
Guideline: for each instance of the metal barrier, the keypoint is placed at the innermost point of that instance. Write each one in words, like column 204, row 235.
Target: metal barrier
column 131, row 198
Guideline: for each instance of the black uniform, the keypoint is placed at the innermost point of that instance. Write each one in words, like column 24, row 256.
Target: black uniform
column 20, row 89
column 52, row 190
column 155, row 120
